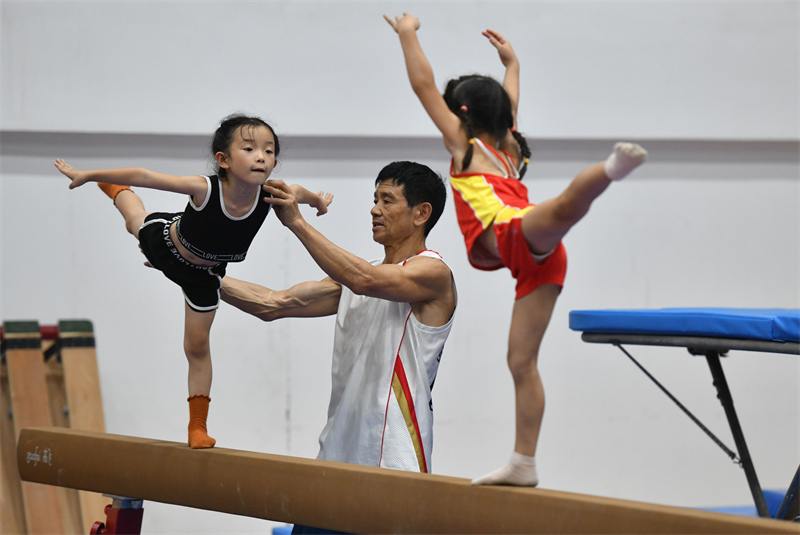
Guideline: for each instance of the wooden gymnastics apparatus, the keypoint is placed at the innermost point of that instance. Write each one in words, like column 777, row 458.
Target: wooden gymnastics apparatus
column 343, row 497
column 48, row 377
column 55, row 472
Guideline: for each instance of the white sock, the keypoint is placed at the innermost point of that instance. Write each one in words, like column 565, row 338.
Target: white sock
column 520, row 471
column 625, row 158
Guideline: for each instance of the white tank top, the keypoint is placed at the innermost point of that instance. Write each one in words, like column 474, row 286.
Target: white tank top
column 384, row 366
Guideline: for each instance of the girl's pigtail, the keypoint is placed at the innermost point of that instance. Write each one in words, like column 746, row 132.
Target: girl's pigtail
column 470, row 135
column 524, row 152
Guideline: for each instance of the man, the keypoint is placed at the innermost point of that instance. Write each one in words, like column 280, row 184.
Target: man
column 393, row 318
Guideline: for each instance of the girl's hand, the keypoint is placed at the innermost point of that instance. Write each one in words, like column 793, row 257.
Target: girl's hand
column 325, row 199
column 502, row 45
column 78, row 178
column 406, row 21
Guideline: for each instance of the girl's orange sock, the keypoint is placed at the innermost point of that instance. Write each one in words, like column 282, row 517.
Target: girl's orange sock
column 112, row 190
column 198, row 412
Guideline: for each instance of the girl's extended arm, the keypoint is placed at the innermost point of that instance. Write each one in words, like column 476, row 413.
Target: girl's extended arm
column 194, row 185
column 420, row 74
column 511, row 84
column 509, row 59
column 320, row 200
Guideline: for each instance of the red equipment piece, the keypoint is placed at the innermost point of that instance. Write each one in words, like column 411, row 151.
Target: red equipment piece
column 123, row 516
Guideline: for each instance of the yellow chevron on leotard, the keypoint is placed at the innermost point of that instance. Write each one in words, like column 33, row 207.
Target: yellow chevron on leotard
column 480, row 195
column 507, row 213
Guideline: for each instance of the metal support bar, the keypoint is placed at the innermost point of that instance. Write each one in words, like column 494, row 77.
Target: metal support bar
column 724, row 395
column 729, row 452
column 712, row 349
column 790, row 507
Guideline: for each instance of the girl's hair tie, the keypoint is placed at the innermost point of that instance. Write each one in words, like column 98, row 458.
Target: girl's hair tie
column 527, row 160
column 472, row 141
column 513, row 128
column 464, row 108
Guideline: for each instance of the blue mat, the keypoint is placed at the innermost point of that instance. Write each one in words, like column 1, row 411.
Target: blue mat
column 774, row 498
column 771, row 324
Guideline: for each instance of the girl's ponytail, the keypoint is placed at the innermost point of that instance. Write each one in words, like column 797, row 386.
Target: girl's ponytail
column 524, row 152
column 464, row 115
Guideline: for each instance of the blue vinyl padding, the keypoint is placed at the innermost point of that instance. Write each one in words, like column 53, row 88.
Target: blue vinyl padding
column 773, row 499
column 773, row 324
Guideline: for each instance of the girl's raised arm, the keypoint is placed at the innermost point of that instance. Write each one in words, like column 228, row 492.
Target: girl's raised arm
column 509, row 59
column 511, row 84
column 194, row 185
column 420, row 74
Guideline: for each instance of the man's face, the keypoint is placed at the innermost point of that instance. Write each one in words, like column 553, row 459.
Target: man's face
column 392, row 219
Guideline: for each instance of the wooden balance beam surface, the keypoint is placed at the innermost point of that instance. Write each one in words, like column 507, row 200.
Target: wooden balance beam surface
column 344, row 497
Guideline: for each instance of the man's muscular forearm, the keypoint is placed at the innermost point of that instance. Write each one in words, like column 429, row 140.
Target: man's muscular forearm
column 307, row 299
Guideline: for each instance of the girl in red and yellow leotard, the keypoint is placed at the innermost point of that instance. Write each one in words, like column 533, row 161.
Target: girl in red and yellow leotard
column 501, row 227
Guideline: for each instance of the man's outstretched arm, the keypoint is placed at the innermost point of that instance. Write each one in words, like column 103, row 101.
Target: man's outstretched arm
column 305, row 300
column 421, row 280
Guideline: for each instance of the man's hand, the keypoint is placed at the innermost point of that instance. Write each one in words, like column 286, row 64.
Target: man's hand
column 284, row 202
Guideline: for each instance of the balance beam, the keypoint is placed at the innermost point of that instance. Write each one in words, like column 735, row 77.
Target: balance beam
column 343, row 497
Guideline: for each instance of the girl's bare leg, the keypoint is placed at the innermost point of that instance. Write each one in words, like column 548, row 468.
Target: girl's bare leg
column 549, row 222
column 196, row 344
column 132, row 209
column 544, row 227
column 529, row 321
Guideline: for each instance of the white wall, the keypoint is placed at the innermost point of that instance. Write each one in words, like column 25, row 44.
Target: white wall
column 703, row 69
column 705, row 223
column 702, row 224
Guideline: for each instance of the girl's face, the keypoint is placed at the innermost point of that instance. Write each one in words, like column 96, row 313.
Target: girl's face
column 251, row 156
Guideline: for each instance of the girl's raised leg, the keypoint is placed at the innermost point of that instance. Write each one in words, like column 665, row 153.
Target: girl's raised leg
column 549, row 222
column 196, row 345
column 529, row 320
column 130, row 206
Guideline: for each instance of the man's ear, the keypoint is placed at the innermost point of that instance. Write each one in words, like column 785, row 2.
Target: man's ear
column 222, row 160
column 424, row 211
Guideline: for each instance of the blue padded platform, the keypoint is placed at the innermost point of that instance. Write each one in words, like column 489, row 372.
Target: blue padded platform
column 770, row 324
column 711, row 332
column 774, row 498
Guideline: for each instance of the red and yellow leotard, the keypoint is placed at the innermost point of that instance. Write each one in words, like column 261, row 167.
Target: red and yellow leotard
column 500, row 201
